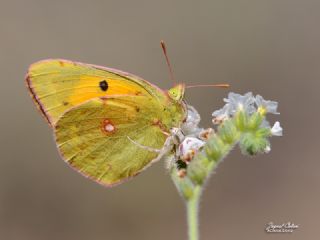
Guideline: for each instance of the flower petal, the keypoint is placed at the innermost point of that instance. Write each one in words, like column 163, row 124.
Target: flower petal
column 237, row 101
column 276, row 130
column 189, row 147
column 269, row 106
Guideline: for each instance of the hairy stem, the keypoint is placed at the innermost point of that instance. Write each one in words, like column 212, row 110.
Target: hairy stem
column 193, row 214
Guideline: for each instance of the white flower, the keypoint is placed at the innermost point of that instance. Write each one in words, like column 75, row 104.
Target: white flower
column 269, row 106
column 237, row 102
column 276, row 130
column 221, row 114
column 190, row 127
column 189, row 147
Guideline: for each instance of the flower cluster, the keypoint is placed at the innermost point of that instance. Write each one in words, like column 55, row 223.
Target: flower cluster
column 250, row 105
column 241, row 121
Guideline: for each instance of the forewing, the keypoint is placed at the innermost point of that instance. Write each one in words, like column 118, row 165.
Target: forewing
column 57, row 85
column 103, row 138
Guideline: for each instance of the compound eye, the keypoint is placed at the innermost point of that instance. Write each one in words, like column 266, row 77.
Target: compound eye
column 174, row 93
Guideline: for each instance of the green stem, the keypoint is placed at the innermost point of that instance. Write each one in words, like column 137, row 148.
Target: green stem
column 193, row 214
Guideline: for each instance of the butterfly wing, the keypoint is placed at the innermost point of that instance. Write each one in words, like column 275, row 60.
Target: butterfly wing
column 57, row 85
column 111, row 139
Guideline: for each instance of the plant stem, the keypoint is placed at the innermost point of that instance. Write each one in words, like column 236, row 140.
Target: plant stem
column 193, row 214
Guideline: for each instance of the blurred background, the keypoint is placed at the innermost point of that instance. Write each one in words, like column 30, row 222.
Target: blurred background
column 269, row 47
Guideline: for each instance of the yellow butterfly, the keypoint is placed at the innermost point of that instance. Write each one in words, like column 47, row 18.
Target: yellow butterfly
column 106, row 122
column 109, row 125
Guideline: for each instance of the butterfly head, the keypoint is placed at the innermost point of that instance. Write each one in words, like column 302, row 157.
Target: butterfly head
column 177, row 92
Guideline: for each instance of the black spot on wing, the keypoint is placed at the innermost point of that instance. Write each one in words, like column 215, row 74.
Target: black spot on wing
column 103, row 85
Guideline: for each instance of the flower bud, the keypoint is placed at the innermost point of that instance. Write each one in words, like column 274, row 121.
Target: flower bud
column 228, row 132
column 251, row 144
column 196, row 170
column 214, row 148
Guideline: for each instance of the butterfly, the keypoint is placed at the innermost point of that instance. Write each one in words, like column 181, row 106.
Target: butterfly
column 108, row 124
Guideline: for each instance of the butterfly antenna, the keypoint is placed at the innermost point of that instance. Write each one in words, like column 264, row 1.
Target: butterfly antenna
column 164, row 49
column 223, row 85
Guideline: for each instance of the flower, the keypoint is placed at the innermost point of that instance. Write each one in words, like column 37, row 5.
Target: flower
column 196, row 154
column 253, row 110
column 266, row 105
column 221, row 114
column 247, row 103
column 237, row 102
column 190, row 126
column 234, row 103
column 189, row 147
column 276, row 130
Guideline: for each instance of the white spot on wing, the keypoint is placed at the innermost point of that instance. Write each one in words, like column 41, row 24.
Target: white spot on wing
column 109, row 127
